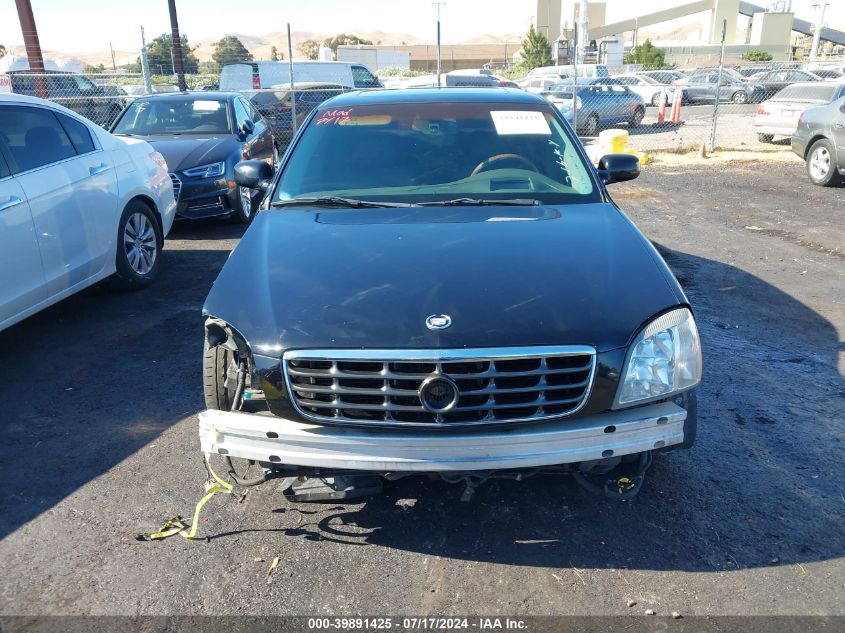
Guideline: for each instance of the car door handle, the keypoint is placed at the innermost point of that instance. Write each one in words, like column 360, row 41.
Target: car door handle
column 11, row 201
column 98, row 169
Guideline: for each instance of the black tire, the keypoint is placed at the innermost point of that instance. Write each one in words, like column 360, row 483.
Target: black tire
column 637, row 120
column 215, row 364
column 821, row 164
column 739, row 97
column 245, row 212
column 656, row 98
column 139, row 244
column 591, row 125
column 765, row 138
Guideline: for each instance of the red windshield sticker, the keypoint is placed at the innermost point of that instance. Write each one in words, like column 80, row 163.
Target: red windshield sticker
column 334, row 117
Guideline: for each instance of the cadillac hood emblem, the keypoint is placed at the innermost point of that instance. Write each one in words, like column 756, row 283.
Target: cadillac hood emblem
column 438, row 321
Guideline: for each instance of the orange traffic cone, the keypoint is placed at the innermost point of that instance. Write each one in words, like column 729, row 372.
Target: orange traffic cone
column 661, row 113
column 675, row 117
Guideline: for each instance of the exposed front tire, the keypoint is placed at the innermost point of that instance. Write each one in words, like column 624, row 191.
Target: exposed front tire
column 656, row 98
column 139, row 244
column 217, row 365
column 821, row 166
column 765, row 138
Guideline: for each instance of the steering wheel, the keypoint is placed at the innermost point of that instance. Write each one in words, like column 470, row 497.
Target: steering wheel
column 485, row 165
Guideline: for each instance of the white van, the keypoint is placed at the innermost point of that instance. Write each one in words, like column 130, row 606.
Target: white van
column 257, row 75
column 568, row 71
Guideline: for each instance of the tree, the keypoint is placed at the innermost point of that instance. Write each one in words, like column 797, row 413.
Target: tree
column 158, row 55
column 89, row 69
column 274, row 54
column 646, row 54
column 757, row 56
column 309, row 49
column 230, row 49
column 344, row 39
column 536, row 50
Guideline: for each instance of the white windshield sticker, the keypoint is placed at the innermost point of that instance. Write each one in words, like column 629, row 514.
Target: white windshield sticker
column 520, row 122
column 207, row 106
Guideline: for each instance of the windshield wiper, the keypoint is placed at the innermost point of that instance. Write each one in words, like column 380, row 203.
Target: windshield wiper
column 337, row 201
column 459, row 202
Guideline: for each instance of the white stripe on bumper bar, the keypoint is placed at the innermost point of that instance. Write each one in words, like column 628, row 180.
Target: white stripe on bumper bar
column 542, row 444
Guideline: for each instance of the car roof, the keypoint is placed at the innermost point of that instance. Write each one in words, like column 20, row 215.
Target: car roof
column 428, row 95
column 198, row 94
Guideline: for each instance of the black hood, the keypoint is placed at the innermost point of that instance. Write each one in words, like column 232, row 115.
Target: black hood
column 507, row 276
column 186, row 151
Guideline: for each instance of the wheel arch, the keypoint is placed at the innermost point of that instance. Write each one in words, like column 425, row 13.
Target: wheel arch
column 816, row 137
column 149, row 202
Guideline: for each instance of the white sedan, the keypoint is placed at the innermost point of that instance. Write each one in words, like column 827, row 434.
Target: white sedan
column 77, row 205
column 648, row 88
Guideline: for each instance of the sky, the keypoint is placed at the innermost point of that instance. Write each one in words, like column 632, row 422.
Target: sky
column 90, row 25
column 87, row 25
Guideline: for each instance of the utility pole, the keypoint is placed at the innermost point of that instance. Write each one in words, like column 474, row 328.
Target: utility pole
column 438, row 4
column 176, row 46
column 718, row 87
column 32, row 45
column 292, row 90
column 820, row 6
column 145, row 65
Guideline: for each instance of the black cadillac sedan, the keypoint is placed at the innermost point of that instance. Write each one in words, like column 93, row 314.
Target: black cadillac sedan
column 441, row 283
column 202, row 136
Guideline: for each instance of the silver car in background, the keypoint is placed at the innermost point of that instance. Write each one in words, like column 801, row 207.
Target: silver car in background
column 647, row 87
column 820, row 141
column 779, row 115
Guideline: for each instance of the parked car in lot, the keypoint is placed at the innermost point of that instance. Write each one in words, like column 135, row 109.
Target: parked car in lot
column 100, row 104
column 598, row 103
column 257, row 75
column 649, row 89
column 77, row 205
column 701, row 87
column 538, row 85
column 202, row 136
column 779, row 115
column 774, row 81
column 665, row 77
column 277, row 106
column 829, row 74
column 462, row 297
column 820, row 141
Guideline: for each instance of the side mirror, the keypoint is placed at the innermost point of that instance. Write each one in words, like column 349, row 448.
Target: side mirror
column 246, row 128
column 253, row 174
column 612, row 168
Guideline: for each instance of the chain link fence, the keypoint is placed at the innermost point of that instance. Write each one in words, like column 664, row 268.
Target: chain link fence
column 748, row 106
column 98, row 97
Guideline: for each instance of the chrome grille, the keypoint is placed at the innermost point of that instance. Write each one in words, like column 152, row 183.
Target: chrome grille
column 177, row 186
column 495, row 385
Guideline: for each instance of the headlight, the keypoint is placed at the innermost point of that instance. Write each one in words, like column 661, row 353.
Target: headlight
column 206, row 171
column 664, row 359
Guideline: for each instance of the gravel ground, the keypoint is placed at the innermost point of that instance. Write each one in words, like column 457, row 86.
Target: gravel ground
column 99, row 443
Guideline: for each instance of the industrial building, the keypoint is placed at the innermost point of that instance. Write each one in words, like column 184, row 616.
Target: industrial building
column 773, row 29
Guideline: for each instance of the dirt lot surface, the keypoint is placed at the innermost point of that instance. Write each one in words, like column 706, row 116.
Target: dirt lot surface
column 99, row 443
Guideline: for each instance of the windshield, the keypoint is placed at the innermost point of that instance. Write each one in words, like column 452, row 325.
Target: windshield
column 147, row 117
column 424, row 152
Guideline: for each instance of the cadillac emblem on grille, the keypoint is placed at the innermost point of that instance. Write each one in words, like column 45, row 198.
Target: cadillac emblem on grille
column 438, row 394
